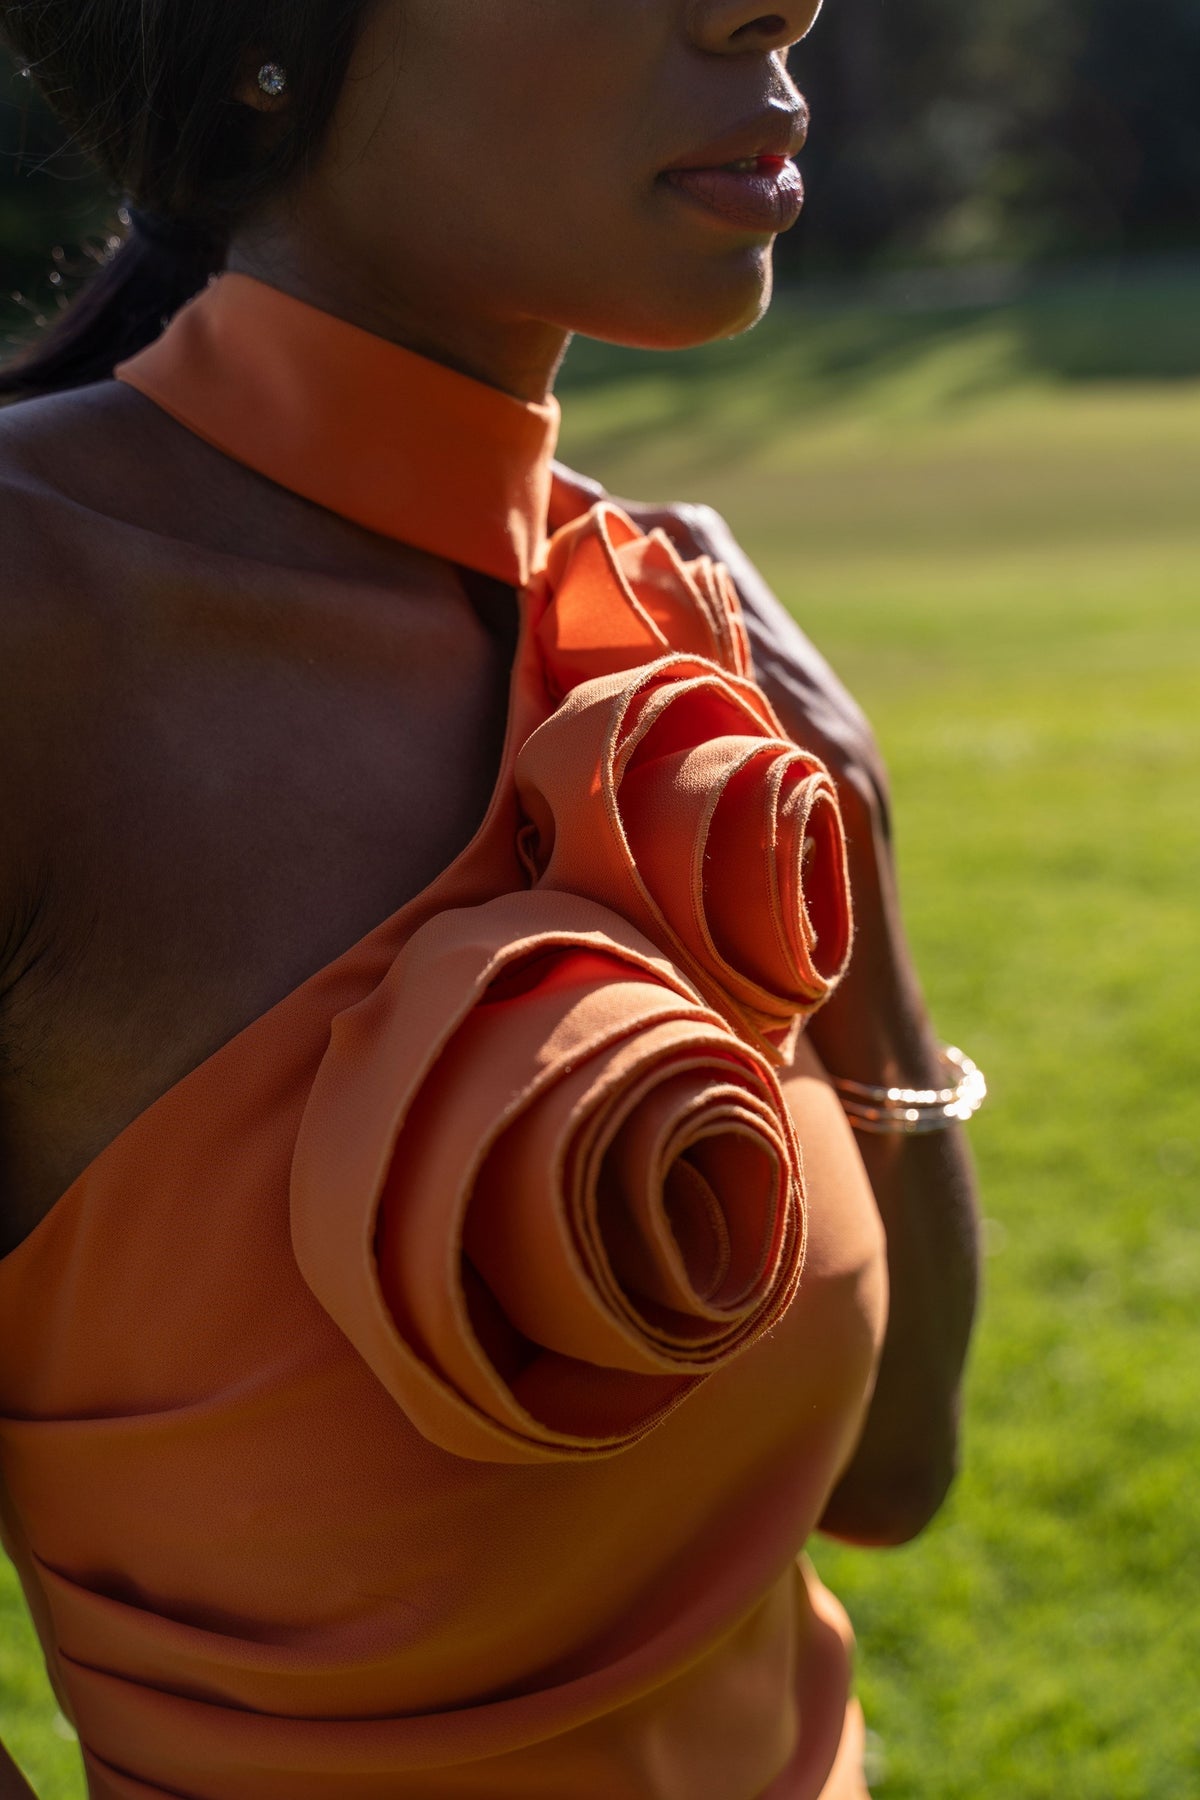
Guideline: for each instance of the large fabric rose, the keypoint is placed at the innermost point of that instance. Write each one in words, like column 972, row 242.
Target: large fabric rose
column 672, row 796
column 541, row 1187
column 615, row 597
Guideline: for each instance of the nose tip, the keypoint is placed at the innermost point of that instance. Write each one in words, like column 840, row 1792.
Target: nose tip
column 803, row 120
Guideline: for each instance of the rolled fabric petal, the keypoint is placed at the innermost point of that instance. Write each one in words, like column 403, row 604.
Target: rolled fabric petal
column 616, row 597
column 541, row 1187
column 673, row 797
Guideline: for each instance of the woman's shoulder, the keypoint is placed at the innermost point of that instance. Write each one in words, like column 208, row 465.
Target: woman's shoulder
column 101, row 492
column 32, row 506
column 56, row 458
column 50, row 436
column 56, row 545
column 45, row 643
column 64, row 555
column 78, row 437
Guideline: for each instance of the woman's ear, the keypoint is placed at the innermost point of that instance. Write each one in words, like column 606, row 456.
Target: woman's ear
column 261, row 84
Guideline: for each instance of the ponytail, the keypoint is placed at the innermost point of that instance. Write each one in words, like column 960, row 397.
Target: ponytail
column 148, row 89
column 123, row 307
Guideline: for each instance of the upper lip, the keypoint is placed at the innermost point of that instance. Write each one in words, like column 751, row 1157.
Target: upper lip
column 779, row 131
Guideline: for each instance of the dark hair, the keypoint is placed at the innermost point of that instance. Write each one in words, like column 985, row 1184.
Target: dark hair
column 147, row 88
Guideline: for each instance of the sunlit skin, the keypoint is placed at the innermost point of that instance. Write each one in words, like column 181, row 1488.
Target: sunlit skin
column 494, row 178
column 209, row 796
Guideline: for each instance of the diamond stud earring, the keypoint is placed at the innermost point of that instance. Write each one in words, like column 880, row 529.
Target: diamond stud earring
column 272, row 79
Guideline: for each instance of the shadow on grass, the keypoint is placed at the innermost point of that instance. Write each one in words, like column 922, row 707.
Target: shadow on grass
column 822, row 349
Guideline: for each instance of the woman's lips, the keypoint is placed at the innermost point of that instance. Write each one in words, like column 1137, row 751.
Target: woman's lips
column 762, row 193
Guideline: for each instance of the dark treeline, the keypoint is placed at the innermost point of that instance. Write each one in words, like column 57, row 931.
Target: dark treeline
column 944, row 131
column 949, row 130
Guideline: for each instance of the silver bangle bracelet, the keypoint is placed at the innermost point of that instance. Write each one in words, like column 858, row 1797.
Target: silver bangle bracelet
column 913, row 1112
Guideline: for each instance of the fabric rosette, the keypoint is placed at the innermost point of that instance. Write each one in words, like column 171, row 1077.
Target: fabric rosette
column 616, row 597
column 672, row 796
column 541, row 1187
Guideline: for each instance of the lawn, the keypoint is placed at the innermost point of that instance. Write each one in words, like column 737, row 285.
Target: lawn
column 989, row 517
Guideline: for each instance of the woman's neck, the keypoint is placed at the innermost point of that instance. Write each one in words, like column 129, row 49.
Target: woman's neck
column 521, row 357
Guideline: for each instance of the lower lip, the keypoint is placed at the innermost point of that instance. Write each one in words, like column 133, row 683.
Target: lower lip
column 768, row 199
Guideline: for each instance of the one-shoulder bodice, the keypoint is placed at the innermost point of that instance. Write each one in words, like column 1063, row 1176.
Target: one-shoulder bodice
column 431, row 1395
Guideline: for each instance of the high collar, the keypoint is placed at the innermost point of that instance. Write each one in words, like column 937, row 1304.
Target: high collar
column 374, row 432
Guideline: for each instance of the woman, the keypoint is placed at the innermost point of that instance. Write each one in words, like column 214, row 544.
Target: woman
column 423, row 1362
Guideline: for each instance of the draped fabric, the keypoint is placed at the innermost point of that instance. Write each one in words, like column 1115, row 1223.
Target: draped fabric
column 574, row 1191
column 433, row 1392
column 615, row 597
column 672, row 795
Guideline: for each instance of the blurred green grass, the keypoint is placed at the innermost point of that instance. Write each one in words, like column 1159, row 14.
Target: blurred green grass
column 989, row 517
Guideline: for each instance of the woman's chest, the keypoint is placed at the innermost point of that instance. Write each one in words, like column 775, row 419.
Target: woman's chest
column 234, row 788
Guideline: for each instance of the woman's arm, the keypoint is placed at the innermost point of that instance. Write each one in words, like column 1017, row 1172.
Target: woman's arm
column 13, row 1785
column 875, row 1030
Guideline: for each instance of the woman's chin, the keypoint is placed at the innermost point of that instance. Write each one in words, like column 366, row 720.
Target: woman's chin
column 716, row 301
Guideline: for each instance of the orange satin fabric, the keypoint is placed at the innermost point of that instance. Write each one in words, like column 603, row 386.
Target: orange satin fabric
column 432, row 1393
column 573, row 1189
column 311, row 402
column 672, row 794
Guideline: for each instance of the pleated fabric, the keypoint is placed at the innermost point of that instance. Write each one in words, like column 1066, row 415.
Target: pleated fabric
column 432, row 1394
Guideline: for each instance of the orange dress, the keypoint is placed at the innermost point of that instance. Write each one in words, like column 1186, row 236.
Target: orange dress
column 431, row 1395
